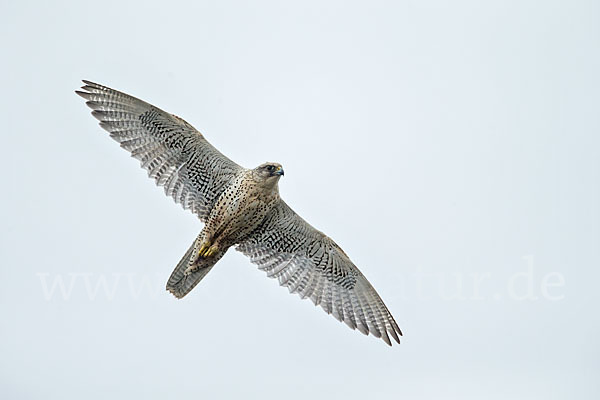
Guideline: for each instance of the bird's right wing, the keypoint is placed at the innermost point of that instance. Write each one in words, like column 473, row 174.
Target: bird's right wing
column 175, row 154
column 312, row 265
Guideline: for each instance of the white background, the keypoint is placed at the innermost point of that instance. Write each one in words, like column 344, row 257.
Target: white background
column 439, row 143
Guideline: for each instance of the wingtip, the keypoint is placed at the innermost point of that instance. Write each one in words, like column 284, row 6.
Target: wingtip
column 394, row 331
column 386, row 338
column 89, row 82
column 93, row 87
column 99, row 115
column 390, row 342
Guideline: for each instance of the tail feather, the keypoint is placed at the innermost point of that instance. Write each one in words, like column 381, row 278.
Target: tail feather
column 180, row 284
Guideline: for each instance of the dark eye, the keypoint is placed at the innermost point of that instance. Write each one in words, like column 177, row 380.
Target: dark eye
column 270, row 168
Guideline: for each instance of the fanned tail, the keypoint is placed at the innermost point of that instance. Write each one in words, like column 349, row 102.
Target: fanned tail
column 180, row 284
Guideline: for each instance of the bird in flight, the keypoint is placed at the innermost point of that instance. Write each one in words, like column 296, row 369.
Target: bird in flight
column 239, row 207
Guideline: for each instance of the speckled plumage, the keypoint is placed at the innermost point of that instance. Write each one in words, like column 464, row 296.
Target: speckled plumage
column 240, row 207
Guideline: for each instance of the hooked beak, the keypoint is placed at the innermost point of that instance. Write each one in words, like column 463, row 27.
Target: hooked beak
column 279, row 171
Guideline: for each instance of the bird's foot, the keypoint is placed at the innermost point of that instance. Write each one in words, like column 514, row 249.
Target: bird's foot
column 212, row 250
column 208, row 250
column 203, row 248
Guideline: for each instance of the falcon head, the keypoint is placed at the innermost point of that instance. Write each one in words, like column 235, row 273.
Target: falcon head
column 268, row 172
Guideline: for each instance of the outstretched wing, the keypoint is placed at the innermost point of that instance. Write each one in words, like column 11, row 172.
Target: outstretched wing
column 311, row 264
column 175, row 154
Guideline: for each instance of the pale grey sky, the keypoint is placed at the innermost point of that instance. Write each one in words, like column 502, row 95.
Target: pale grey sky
column 451, row 148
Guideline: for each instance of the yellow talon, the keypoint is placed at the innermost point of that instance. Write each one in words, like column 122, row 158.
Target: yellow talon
column 203, row 249
column 211, row 251
column 206, row 250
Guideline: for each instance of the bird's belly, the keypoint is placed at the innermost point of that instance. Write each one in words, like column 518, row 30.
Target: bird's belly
column 237, row 218
column 246, row 219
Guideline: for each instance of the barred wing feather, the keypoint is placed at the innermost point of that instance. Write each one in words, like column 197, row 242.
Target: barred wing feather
column 312, row 265
column 173, row 152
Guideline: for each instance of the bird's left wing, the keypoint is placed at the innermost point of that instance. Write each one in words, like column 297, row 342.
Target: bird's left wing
column 312, row 265
column 175, row 154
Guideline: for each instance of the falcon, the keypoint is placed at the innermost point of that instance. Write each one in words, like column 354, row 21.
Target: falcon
column 239, row 207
